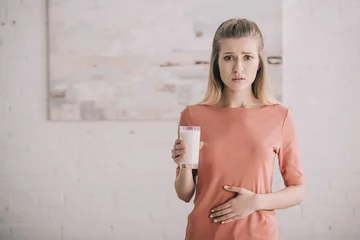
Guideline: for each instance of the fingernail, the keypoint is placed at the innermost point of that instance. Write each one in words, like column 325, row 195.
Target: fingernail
column 222, row 222
column 212, row 211
column 226, row 187
column 215, row 220
column 211, row 216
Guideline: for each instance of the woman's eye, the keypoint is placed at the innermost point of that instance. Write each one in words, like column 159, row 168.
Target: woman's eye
column 227, row 58
column 247, row 57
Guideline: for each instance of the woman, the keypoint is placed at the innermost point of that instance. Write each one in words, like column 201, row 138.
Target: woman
column 242, row 129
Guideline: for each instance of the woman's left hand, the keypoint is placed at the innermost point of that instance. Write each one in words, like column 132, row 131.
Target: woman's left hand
column 241, row 206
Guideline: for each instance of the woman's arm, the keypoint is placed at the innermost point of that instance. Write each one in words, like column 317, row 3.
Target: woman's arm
column 290, row 166
column 185, row 177
column 285, row 198
column 184, row 184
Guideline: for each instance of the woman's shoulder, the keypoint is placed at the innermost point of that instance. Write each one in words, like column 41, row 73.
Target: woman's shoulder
column 197, row 107
column 278, row 109
column 196, row 111
column 282, row 107
column 189, row 109
column 277, row 106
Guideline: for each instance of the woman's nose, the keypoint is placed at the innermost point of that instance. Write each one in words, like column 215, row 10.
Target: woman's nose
column 238, row 67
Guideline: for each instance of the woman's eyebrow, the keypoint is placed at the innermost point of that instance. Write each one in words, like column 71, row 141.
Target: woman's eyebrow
column 242, row 52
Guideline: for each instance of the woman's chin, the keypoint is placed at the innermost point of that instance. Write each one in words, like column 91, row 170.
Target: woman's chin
column 238, row 87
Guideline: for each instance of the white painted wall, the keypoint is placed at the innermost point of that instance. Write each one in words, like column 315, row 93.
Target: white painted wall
column 321, row 72
column 114, row 180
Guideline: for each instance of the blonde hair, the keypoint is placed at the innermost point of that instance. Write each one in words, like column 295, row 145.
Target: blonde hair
column 237, row 28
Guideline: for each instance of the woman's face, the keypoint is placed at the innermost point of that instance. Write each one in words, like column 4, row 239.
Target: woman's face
column 238, row 62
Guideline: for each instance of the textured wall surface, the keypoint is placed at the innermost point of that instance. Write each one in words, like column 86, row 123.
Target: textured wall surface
column 114, row 180
column 111, row 60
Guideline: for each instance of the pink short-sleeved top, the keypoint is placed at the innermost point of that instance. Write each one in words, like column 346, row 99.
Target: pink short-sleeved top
column 240, row 145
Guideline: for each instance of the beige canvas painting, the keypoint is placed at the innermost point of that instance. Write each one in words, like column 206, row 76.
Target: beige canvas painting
column 142, row 60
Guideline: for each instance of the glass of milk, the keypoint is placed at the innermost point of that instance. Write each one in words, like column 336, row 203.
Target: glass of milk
column 191, row 139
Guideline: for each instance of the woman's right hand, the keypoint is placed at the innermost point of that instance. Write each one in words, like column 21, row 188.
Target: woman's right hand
column 179, row 149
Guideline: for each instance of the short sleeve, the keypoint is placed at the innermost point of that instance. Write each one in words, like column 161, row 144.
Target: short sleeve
column 185, row 120
column 289, row 158
column 185, row 117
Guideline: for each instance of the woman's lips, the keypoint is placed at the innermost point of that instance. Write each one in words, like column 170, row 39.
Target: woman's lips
column 238, row 79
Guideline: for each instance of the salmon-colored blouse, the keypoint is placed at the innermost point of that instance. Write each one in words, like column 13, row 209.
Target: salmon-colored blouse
column 239, row 149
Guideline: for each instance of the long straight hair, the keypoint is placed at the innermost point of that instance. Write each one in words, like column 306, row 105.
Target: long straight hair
column 238, row 28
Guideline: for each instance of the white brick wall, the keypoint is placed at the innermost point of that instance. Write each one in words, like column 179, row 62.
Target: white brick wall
column 321, row 72
column 73, row 181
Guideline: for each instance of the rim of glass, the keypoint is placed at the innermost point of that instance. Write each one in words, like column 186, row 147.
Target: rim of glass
column 196, row 128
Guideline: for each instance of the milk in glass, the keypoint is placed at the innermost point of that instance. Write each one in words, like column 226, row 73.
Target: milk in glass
column 191, row 139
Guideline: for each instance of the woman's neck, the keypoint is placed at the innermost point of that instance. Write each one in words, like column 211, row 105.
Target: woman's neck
column 243, row 99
